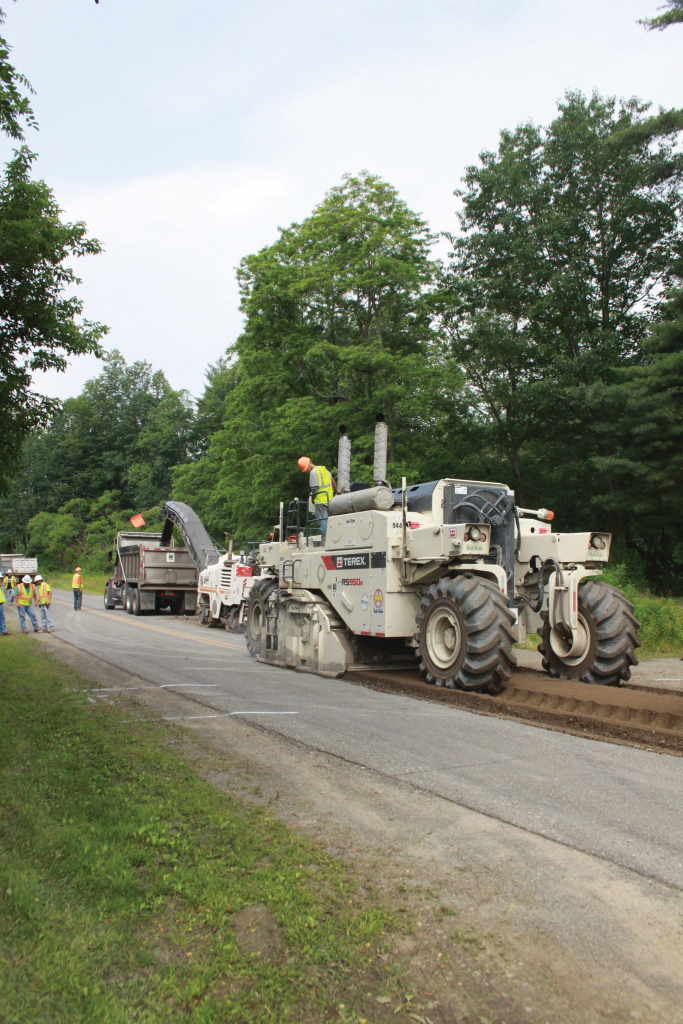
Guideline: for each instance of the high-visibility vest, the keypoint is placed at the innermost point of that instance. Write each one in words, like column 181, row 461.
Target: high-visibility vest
column 77, row 581
column 325, row 491
column 2, row 595
column 25, row 594
column 44, row 593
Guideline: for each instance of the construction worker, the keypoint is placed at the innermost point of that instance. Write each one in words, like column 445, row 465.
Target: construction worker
column 26, row 593
column 44, row 600
column 3, row 624
column 9, row 584
column 77, row 587
column 323, row 486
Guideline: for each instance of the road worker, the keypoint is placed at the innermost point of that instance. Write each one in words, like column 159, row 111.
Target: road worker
column 3, row 599
column 77, row 587
column 323, row 486
column 44, row 600
column 26, row 593
column 9, row 585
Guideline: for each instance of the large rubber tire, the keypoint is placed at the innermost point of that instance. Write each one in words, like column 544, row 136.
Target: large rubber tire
column 135, row 603
column 465, row 636
column 129, row 599
column 613, row 638
column 177, row 606
column 256, row 613
column 109, row 603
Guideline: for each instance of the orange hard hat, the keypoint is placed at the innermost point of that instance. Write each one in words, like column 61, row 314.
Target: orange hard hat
column 304, row 463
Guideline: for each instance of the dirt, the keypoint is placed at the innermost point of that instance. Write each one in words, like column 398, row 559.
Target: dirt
column 501, row 925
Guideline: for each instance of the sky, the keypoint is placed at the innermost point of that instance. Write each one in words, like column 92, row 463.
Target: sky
column 185, row 132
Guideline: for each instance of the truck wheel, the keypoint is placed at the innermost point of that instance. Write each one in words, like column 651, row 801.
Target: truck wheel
column 465, row 635
column 610, row 628
column 129, row 600
column 109, row 602
column 256, row 613
column 178, row 605
column 135, row 602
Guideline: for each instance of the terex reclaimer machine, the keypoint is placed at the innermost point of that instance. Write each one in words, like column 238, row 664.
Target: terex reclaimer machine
column 450, row 572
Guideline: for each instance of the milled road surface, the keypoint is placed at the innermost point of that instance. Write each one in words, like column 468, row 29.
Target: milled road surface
column 619, row 803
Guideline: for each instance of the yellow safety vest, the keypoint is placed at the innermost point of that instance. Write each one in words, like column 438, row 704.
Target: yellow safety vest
column 2, row 595
column 25, row 594
column 325, row 491
column 44, row 593
column 76, row 582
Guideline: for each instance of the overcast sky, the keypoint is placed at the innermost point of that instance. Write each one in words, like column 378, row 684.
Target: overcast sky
column 184, row 132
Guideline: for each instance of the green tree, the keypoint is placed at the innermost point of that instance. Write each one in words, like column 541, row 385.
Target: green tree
column 569, row 234
column 15, row 109
column 672, row 15
column 337, row 329
column 642, row 412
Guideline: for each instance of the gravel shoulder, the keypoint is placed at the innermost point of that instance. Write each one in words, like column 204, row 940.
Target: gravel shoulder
column 507, row 925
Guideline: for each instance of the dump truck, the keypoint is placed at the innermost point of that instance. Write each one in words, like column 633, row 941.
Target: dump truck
column 447, row 574
column 151, row 574
column 18, row 565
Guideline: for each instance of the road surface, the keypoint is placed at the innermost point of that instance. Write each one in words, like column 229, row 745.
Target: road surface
column 616, row 802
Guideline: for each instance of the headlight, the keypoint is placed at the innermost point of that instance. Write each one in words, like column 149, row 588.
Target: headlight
column 597, row 543
column 476, row 533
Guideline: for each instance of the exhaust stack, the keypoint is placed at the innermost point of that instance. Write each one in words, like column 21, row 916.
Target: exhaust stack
column 380, row 467
column 343, row 462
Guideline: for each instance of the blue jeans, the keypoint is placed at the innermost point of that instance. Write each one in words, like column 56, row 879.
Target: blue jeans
column 78, row 599
column 321, row 514
column 46, row 616
column 25, row 610
column 3, row 624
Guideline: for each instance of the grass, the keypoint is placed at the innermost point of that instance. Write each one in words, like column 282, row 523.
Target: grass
column 123, row 874
column 93, row 582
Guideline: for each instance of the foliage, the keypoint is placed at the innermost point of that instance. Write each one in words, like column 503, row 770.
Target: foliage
column 106, row 454
column 122, row 872
column 569, row 235
column 338, row 328
column 15, row 110
column 39, row 325
column 672, row 15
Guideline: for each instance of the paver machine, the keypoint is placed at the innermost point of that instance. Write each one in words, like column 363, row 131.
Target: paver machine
column 451, row 573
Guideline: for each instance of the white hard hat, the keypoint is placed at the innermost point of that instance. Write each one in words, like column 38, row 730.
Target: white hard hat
column 25, row 579
column 37, row 577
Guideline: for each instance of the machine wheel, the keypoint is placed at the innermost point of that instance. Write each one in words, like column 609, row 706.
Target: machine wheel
column 611, row 638
column 465, row 635
column 204, row 614
column 135, row 603
column 109, row 602
column 129, row 600
column 231, row 622
column 256, row 613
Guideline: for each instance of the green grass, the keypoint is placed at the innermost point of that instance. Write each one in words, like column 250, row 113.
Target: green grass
column 122, row 872
column 93, row 582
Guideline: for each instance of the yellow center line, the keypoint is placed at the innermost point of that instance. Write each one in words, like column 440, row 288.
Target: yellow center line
column 157, row 629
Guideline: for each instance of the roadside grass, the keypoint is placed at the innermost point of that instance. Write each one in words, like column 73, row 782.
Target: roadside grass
column 124, row 878
column 93, row 582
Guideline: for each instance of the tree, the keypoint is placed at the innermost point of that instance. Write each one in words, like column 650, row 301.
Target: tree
column 643, row 416
column 673, row 14
column 39, row 326
column 337, row 329
column 14, row 105
column 569, row 234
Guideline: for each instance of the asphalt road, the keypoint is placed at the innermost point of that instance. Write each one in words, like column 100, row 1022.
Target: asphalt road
column 619, row 803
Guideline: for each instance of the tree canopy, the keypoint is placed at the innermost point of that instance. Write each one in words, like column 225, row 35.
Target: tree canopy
column 672, row 14
column 40, row 318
